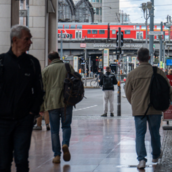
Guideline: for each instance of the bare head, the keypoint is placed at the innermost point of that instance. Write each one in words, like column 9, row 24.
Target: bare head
column 20, row 38
column 143, row 55
column 52, row 56
column 108, row 69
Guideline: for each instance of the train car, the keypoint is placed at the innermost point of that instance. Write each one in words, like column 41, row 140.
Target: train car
column 106, row 31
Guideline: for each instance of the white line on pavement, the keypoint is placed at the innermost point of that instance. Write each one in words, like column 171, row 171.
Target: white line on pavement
column 85, row 108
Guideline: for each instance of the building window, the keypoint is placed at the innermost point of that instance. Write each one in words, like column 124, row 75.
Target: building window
column 100, row 11
column 97, row 11
column 137, row 27
column 101, row 32
column 94, row 31
column 113, row 32
column 127, row 32
column 89, row 32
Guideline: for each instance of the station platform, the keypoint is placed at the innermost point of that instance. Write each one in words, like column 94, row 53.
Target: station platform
column 97, row 144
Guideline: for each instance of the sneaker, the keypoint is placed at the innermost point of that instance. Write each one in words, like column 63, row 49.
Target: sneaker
column 56, row 159
column 104, row 115
column 142, row 164
column 156, row 160
column 66, row 153
column 37, row 128
column 111, row 114
column 48, row 127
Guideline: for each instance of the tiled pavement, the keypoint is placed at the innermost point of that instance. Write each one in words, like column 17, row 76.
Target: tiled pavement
column 97, row 144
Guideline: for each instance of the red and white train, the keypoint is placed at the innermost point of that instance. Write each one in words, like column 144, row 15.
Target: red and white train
column 106, row 31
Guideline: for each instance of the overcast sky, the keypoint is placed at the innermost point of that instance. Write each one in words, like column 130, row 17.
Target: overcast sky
column 131, row 7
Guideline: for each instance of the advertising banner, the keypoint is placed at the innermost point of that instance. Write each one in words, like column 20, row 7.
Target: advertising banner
column 105, row 59
column 75, row 63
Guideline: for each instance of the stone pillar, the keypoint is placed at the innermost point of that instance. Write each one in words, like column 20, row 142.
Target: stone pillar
column 37, row 12
column 8, row 16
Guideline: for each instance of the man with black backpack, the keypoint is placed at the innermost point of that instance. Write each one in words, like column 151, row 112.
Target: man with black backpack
column 108, row 81
column 63, row 89
column 148, row 91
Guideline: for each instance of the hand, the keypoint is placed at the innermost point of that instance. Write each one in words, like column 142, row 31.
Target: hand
column 41, row 113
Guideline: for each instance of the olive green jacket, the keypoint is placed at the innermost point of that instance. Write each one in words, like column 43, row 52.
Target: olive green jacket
column 137, row 89
column 53, row 81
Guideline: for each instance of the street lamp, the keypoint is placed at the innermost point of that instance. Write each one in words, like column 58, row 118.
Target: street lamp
column 146, row 7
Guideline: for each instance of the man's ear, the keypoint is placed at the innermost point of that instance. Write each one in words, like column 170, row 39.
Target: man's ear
column 14, row 39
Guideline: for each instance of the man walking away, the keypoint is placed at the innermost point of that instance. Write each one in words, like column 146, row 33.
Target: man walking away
column 21, row 95
column 137, row 89
column 53, row 81
column 108, row 81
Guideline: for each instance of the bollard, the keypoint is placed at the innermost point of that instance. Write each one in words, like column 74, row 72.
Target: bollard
column 119, row 99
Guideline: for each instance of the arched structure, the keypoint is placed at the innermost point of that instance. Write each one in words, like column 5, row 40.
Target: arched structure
column 66, row 11
column 84, row 11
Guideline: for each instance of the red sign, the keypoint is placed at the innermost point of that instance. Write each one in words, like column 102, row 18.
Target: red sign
column 167, row 115
column 83, row 45
column 170, row 79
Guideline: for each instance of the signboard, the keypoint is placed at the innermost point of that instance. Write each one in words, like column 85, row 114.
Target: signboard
column 169, row 62
column 105, row 59
column 82, row 45
column 22, row 13
column 134, row 60
column 167, row 115
column 75, row 63
column 156, row 33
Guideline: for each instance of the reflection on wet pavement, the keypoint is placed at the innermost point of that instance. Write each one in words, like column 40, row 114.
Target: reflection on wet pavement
column 98, row 145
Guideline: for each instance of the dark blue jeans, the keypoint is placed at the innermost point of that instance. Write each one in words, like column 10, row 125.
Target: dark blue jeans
column 154, row 122
column 55, row 116
column 15, row 137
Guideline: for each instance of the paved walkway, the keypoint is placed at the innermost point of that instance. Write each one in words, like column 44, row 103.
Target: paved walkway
column 97, row 144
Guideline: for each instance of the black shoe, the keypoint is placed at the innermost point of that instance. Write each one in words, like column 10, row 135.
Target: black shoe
column 48, row 127
column 111, row 114
column 104, row 115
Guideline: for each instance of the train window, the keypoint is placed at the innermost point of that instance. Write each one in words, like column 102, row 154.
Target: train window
column 139, row 35
column 101, row 32
column 94, row 31
column 79, row 26
column 166, row 28
column 66, row 26
column 72, row 26
column 113, row 32
column 127, row 32
column 89, row 32
column 143, row 27
column 60, row 26
column 70, row 35
column 158, row 27
column 79, row 34
column 137, row 27
column 97, row 0
column 166, row 37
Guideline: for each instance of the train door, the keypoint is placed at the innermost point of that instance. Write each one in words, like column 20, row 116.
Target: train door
column 139, row 35
column 78, row 34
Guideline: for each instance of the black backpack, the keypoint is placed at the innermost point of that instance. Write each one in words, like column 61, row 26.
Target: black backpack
column 159, row 92
column 108, row 81
column 73, row 91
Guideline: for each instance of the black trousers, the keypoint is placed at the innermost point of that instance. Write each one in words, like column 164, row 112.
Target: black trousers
column 15, row 137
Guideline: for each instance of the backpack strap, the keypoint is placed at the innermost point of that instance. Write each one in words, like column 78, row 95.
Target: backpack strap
column 1, row 70
column 154, row 70
column 154, row 73
column 68, row 68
